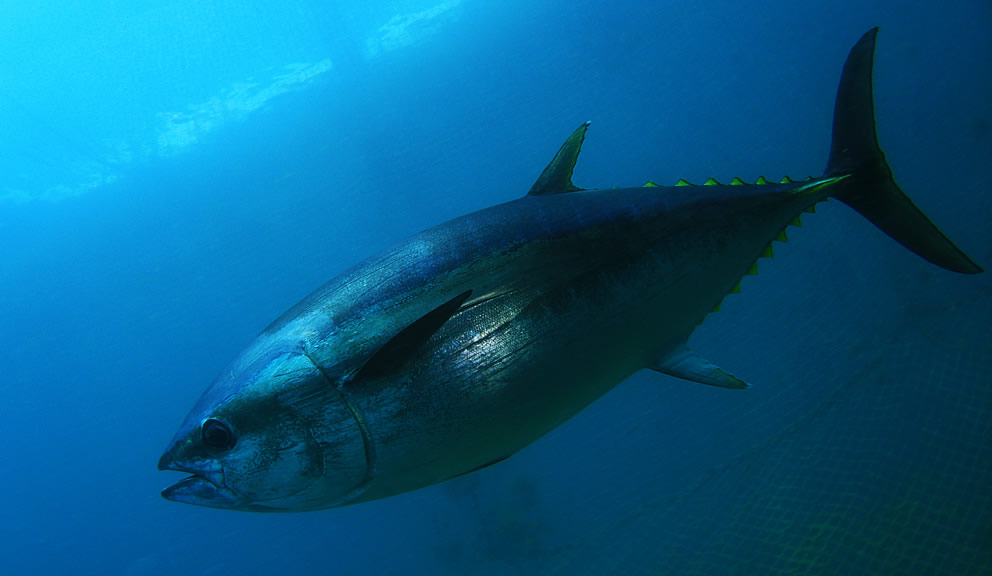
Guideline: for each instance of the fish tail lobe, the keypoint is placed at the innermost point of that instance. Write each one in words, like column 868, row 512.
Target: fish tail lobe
column 871, row 190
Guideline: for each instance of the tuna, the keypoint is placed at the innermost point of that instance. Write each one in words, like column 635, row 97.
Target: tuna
column 467, row 342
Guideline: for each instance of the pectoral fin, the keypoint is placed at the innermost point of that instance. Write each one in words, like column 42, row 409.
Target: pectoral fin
column 405, row 344
column 688, row 365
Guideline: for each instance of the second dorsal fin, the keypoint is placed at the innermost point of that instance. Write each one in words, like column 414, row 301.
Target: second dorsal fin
column 557, row 177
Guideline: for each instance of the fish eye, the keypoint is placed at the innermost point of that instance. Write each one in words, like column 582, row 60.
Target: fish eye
column 217, row 435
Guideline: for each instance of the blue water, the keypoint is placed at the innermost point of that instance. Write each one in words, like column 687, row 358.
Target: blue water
column 175, row 174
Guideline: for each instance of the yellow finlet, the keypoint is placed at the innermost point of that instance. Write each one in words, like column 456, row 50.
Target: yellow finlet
column 717, row 307
column 753, row 270
column 684, row 182
column 711, row 182
column 736, row 289
column 761, row 180
column 811, row 209
column 737, row 182
column 786, row 180
column 781, row 236
column 649, row 184
column 767, row 252
column 796, row 221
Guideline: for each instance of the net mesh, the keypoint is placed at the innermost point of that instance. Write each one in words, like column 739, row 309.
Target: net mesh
column 889, row 474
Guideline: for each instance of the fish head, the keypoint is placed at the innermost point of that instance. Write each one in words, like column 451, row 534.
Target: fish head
column 269, row 435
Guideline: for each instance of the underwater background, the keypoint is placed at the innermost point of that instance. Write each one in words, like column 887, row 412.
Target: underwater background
column 176, row 174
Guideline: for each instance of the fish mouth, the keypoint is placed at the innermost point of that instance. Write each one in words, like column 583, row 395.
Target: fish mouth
column 204, row 486
column 201, row 491
column 195, row 489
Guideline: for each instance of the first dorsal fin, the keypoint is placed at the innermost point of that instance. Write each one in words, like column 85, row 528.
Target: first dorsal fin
column 557, row 177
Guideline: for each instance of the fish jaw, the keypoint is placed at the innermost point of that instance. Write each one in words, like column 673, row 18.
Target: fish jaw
column 205, row 485
column 199, row 491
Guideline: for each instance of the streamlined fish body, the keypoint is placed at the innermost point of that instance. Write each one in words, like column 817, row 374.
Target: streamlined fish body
column 469, row 341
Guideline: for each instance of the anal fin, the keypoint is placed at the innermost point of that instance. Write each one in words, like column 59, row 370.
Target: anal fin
column 688, row 365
